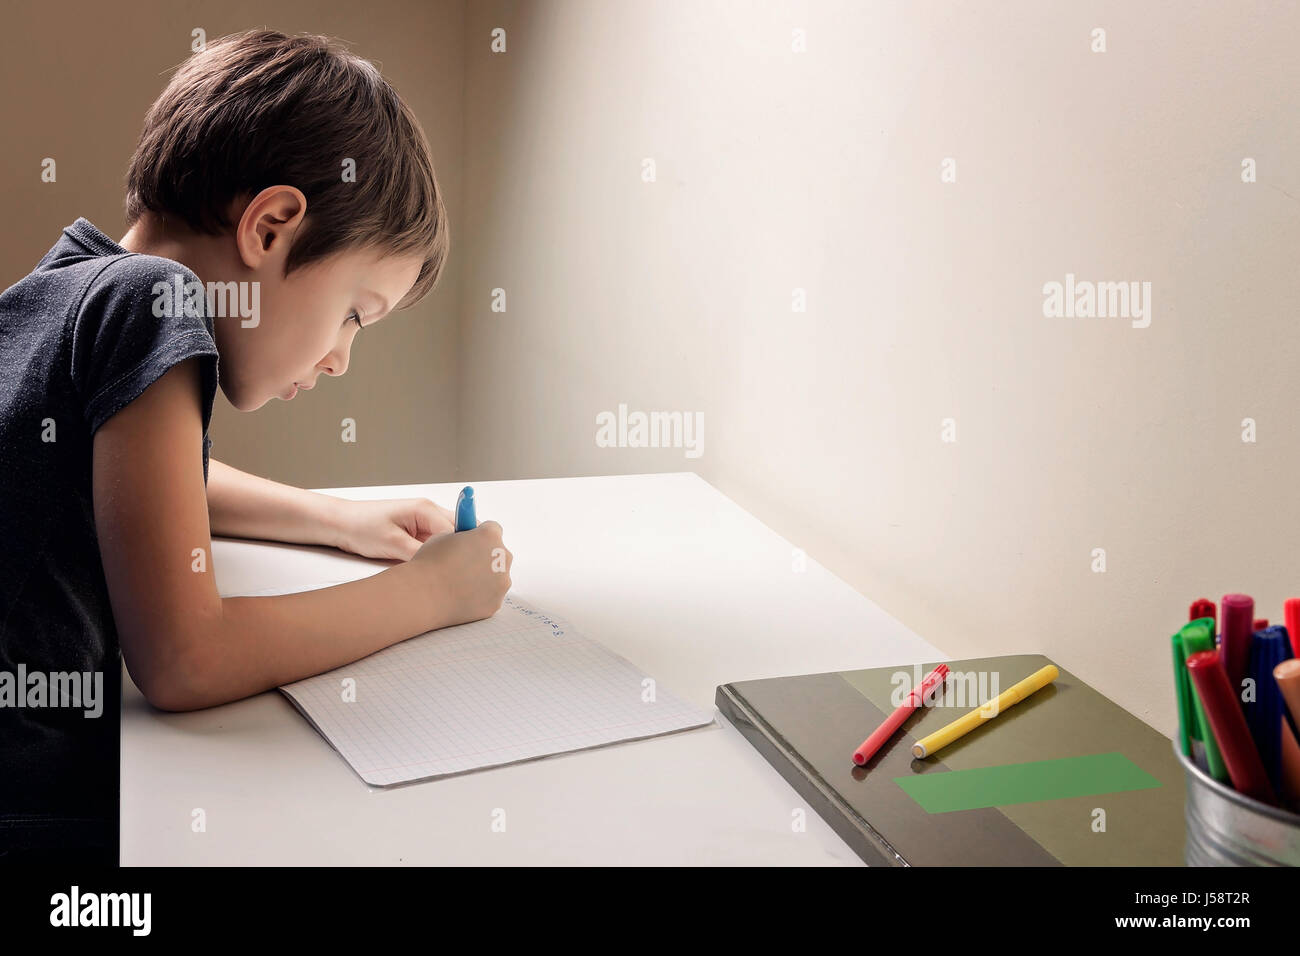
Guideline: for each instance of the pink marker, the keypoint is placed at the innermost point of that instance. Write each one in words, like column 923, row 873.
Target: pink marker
column 1238, row 614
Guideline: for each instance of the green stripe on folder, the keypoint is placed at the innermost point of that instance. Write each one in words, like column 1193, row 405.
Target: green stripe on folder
column 1025, row 782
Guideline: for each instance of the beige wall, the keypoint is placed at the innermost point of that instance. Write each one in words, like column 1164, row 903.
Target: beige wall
column 78, row 81
column 822, row 170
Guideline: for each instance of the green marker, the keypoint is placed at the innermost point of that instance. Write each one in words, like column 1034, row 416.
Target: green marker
column 1183, row 695
column 1197, row 636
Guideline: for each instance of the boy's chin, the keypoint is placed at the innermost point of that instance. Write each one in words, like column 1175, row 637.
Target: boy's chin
column 246, row 400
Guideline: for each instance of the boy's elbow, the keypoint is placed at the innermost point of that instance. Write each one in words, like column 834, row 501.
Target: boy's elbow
column 171, row 682
column 168, row 698
column 166, row 692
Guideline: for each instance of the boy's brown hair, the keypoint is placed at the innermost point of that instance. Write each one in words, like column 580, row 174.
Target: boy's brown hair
column 260, row 109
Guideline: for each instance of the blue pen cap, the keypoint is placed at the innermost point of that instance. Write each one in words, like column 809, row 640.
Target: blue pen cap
column 466, row 519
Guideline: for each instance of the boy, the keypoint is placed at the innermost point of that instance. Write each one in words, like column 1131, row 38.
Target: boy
column 281, row 198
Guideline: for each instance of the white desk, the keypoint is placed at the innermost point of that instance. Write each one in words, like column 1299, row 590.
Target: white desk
column 663, row 569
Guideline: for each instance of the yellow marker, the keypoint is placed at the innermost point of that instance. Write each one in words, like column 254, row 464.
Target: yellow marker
column 986, row 711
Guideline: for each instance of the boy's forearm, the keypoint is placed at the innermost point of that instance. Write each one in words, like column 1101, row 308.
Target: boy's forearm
column 241, row 505
column 260, row 643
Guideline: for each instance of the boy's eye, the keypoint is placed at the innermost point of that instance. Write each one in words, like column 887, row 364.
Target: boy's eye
column 356, row 316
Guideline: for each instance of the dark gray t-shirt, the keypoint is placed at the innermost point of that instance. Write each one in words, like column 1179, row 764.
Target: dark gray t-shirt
column 79, row 340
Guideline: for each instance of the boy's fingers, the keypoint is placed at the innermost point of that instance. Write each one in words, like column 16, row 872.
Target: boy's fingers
column 430, row 517
column 407, row 547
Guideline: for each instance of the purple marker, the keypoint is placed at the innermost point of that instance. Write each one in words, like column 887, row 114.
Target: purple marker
column 1238, row 613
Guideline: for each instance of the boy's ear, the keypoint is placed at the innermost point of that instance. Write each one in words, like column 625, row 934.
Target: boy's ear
column 267, row 226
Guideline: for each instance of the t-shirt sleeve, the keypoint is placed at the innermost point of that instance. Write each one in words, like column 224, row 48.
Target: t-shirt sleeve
column 131, row 327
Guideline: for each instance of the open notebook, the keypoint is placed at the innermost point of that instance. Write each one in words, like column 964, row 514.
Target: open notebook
column 516, row 686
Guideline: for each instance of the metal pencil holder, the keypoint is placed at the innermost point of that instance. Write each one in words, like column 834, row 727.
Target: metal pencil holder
column 1226, row 828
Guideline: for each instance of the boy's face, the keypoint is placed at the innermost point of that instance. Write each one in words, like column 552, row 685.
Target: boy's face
column 307, row 323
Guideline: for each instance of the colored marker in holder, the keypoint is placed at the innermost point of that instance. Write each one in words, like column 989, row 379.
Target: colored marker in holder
column 1198, row 636
column 1223, row 709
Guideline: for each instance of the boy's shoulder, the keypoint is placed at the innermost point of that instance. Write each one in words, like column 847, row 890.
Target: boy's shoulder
column 137, row 283
column 105, row 321
column 140, row 270
column 85, row 269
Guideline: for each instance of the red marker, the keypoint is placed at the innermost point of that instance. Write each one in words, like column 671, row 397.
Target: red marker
column 1260, row 624
column 1202, row 607
column 895, row 720
column 1238, row 618
column 1223, row 711
column 1292, row 606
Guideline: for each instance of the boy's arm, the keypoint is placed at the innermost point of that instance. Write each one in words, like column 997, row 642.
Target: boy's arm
column 241, row 505
column 185, row 646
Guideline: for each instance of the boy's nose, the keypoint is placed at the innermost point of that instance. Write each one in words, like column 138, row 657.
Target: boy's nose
column 334, row 364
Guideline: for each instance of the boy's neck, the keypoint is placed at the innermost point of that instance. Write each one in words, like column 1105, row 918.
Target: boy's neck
column 208, row 257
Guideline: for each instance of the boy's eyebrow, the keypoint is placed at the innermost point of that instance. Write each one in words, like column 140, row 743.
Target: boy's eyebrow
column 383, row 303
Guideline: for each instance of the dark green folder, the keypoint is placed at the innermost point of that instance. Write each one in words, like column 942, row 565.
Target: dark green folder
column 1065, row 777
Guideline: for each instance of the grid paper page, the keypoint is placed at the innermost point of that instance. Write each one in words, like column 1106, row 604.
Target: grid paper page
column 516, row 686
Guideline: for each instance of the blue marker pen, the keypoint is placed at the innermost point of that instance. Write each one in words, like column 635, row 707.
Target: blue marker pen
column 466, row 520
column 1268, row 648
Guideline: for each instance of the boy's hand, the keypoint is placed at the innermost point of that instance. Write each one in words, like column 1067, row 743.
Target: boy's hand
column 467, row 575
column 390, row 528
